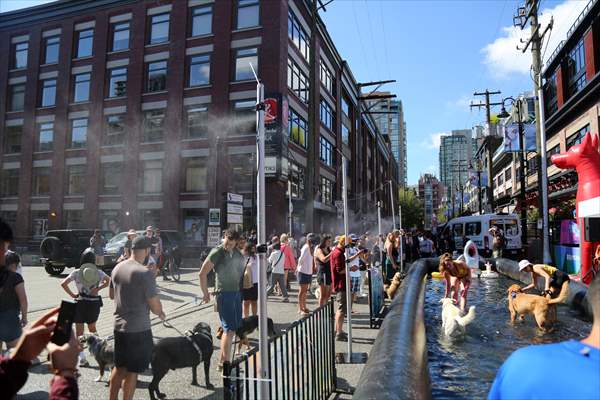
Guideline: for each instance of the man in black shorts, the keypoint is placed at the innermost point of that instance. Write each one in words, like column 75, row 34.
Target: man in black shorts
column 134, row 291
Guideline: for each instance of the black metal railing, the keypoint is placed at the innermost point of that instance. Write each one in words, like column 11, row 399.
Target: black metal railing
column 301, row 362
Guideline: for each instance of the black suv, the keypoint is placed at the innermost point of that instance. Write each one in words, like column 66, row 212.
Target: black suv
column 172, row 246
column 62, row 248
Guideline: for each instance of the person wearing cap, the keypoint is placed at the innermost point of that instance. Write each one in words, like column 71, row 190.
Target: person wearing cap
column 305, row 271
column 554, row 279
column 526, row 374
column 89, row 280
column 13, row 299
column 337, row 261
column 228, row 264
column 133, row 288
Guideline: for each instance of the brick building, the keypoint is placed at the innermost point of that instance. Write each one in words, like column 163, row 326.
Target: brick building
column 431, row 194
column 121, row 113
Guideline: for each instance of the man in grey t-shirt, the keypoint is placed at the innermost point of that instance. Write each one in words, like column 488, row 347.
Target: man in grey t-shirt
column 134, row 291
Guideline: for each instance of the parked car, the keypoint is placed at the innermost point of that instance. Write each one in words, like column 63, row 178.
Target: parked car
column 476, row 228
column 172, row 245
column 62, row 248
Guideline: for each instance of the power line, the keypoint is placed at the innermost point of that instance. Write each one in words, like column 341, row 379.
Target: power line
column 373, row 41
column 362, row 46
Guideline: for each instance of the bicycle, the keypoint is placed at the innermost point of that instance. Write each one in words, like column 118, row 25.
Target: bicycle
column 172, row 268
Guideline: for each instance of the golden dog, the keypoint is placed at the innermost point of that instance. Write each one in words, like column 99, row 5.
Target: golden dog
column 521, row 304
column 394, row 285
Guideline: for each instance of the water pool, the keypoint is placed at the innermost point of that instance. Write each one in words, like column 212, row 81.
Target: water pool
column 465, row 368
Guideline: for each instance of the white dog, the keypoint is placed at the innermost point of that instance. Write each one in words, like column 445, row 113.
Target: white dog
column 453, row 324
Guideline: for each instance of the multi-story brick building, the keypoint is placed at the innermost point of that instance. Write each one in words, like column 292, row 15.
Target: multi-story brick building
column 431, row 194
column 122, row 113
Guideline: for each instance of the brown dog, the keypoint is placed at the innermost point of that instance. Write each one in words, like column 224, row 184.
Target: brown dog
column 521, row 303
column 394, row 285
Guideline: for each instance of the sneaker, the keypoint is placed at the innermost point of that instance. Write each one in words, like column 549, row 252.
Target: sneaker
column 219, row 367
column 341, row 337
column 285, row 300
column 166, row 278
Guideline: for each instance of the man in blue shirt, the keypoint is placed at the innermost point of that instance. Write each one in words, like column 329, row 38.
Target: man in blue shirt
column 566, row 370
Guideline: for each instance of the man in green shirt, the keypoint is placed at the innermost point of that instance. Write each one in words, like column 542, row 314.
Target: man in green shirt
column 228, row 264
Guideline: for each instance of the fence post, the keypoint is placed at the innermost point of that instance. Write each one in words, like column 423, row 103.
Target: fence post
column 227, row 387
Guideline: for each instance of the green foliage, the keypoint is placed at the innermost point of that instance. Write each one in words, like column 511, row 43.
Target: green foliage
column 412, row 209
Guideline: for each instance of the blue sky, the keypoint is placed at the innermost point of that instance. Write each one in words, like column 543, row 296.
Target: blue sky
column 439, row 52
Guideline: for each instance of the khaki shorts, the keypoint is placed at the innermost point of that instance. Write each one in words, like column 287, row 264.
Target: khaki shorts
column 340, row 298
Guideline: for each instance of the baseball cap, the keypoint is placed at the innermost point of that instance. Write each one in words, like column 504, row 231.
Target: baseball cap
column 354, row 237
column 523, row 264
column 140, row 243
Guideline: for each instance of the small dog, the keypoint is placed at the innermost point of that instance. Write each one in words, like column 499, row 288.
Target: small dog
column 394, row 286
column 541, row 307
column 453, row 324
column 103, row 352
column 248, row 326
column 179, row 352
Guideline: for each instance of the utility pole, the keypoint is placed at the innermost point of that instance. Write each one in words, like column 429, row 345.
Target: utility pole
column 487, row 141
column 522, row 183
column 290, row 206
column 401, row 240
column 524, row 14
column 379, row 235
column 392, row 203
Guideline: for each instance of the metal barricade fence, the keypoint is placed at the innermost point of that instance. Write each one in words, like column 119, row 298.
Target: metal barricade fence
column 301, row 362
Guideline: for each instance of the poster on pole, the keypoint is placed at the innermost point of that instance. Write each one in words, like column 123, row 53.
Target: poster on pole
column 376, row 298
column 511, row 138
column 530, row 137
column 213, row 235
column 214, row 217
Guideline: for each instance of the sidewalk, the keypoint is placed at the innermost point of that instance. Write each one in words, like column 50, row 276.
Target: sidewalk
column 181, row 303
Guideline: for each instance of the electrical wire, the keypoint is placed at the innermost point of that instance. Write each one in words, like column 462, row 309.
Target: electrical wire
column 362, row 46
column 373, row 41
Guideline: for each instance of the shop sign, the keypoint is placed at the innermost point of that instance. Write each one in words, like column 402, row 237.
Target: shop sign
column 213, row 235
column 214, row 217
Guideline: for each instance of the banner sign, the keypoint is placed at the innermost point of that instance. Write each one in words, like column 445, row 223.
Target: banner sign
column 214, row 217
column 376, row 297
column 511, row 138
column 213, row 235
column 276, row 134
column 530, row 137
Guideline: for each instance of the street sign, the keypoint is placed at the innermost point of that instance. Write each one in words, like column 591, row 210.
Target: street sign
column 235, row 198
column 234, row 208
column 235, row 219
column 213, row 235
column 214, row 216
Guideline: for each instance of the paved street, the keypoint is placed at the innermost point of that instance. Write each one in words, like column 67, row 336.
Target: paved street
column 181, row 306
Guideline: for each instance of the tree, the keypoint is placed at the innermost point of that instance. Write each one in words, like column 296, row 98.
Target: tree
column 412, row 209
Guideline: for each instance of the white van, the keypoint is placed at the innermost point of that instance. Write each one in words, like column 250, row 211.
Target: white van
column 476, row 228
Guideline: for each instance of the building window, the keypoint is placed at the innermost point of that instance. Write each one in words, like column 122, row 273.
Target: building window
column 326, row 191
column 81, row 87
column 531, row 166
column 9, row 184
column 39, row 224
column 117, row 82
column 195, row 179
column 110, row 221
column 85, row 41
column 297, row 81
column 326, row 152
column 46, row 136
column 51, row 49
column 553, row 151
column 75, row 180
column 41, row 181
column 20, row 55
column 73, row 219
column 110, row 178
column 244, row 117
column 297, row 128
column 326, row 115
column 12, row 139
column 197, row 122
column 159, row 28
column 243, row 59
column 500, row 179
column 154, row 126
column 345, row 107
column 156, row 73
column 576, row 68
column 247, row 13
column 298, row 35
column 551, row 95
column 577, row 137
column 326, row 77
column 151, row 176
column 297, row 179
column 199, row 70
column 507, row 175
column 48, row 93
column 242, row 173
column 78, row 133
column 120, row 36
column 17, row 97
column 149, row 217
column 115, row 130
column 345, row 134
column 201, row 20
column 10, row 217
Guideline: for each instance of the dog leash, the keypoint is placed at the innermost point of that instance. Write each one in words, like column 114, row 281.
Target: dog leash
column 187, row 335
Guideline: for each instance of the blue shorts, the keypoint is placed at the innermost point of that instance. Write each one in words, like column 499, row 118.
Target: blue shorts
column 355, row 284
column 229, row 305
column 10, row 325
column 304, row 279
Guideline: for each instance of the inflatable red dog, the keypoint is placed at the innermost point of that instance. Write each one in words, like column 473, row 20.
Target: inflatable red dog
column 585, row 159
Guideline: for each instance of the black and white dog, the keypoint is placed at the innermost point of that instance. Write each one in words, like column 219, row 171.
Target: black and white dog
column 103, row 352
column 180, row 352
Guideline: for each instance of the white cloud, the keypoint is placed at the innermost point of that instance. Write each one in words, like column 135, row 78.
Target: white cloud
column 431, row 169
column 462, row 103
column 502, row 57
column 433, row 142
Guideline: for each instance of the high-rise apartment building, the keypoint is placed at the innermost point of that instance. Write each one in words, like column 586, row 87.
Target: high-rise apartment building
column 389, row 117
column 455, row 156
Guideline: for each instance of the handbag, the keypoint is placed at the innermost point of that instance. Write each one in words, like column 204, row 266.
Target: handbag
column 247, row 282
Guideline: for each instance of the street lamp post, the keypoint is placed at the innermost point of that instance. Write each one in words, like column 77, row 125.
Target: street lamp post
column 504, row 114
